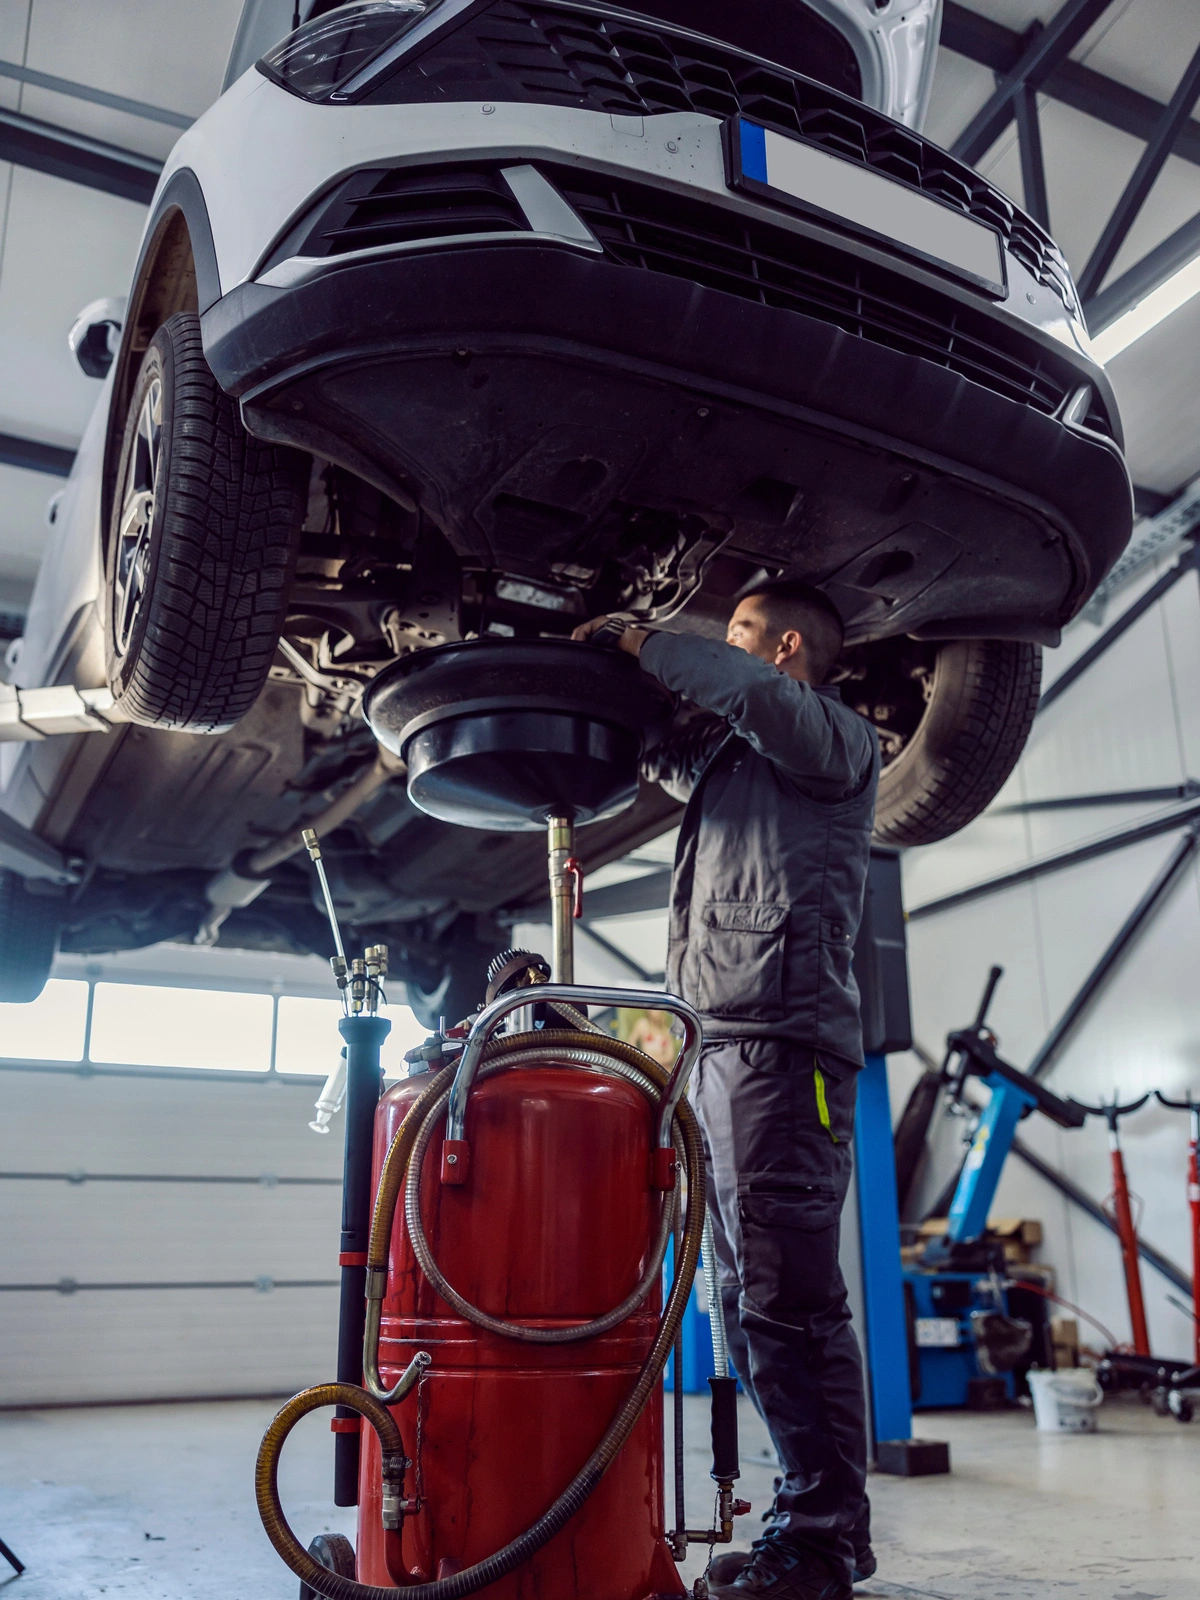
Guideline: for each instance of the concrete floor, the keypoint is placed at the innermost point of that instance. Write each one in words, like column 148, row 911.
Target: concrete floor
column 155, row 1503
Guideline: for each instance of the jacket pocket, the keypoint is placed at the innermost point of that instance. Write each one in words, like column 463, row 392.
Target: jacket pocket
column 740, row 967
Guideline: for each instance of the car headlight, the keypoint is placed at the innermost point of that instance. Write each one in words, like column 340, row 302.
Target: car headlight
column 333, row 48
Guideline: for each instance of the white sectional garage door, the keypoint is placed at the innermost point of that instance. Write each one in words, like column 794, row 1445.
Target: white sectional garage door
column 164, row 1235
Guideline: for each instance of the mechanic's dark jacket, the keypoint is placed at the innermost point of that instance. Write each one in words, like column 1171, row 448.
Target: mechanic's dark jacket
column 773, row 847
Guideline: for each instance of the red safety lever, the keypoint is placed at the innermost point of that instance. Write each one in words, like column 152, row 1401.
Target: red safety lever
column 574, row 870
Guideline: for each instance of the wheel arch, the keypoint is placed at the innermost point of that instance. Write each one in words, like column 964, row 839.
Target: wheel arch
column 176, row 271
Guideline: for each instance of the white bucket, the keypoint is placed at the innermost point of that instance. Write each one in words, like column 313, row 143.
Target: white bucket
column 1065, row 1401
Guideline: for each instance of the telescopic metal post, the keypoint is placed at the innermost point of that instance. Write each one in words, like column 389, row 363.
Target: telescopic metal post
column 364, row 1038
column 561, row 846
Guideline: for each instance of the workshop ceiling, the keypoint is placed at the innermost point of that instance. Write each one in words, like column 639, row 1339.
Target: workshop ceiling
column 132, row 73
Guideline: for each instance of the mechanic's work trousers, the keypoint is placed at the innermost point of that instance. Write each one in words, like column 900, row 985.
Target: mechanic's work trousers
column 778, row 1122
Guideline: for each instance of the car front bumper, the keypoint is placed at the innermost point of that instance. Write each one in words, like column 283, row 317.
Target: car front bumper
column 469, row 378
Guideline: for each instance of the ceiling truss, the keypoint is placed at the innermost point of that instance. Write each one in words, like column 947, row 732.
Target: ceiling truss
column 1038, row 61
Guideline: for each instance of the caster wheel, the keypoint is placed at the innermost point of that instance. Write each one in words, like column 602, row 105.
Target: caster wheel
column 332, row 1550
column 1160, row 1402
column 1182, row 1408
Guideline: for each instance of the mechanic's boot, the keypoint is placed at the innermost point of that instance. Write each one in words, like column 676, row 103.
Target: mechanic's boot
column 724, row 1569
column 780, row 1570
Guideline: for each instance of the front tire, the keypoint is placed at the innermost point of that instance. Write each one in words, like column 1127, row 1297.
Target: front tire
column 206, row 523
column 952, row 720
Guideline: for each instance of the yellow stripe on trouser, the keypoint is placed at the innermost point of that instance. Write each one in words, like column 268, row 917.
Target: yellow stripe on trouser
column 822, row 1103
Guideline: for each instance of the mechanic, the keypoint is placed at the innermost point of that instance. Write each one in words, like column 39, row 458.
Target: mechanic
column 779, row 778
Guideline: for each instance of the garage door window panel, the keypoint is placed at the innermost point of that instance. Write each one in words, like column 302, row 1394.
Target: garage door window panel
column 142, row 1025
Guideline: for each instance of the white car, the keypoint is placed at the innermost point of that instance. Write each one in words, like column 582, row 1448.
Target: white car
column 479, row 317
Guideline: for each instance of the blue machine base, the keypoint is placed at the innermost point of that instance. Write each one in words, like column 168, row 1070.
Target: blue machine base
column 945, row 1372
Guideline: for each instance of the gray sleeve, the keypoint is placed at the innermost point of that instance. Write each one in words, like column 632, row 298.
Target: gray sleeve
column 810, row 736
column 677, row 761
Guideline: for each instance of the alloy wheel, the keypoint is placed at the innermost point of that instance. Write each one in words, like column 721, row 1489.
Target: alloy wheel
column 132, row 565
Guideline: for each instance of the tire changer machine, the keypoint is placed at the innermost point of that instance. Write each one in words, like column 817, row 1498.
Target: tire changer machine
column 964, row 1341
column 508, row 1206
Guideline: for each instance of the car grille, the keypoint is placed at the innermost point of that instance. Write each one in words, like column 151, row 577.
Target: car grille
column 560, row 55
column 384, row 207
column 652, row 230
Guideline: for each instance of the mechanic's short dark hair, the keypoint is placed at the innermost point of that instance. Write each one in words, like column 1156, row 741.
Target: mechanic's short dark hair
column 791, row 603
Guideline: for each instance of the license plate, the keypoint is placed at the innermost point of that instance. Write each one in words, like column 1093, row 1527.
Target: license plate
column 791, row 172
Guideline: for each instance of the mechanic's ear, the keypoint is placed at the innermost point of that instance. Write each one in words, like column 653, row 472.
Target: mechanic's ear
column 791, row 644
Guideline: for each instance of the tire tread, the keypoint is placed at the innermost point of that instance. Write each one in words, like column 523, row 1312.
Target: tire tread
column 228, row 536
column 927, row 793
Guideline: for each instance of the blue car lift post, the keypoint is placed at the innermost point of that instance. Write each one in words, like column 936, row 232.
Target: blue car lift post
column 881, row 968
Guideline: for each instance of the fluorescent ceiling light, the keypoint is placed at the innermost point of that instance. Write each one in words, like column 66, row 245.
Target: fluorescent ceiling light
column 1158, row 305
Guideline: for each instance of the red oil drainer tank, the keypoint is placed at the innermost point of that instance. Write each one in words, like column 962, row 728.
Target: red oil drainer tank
column 554, row 1226
column 515, row 1334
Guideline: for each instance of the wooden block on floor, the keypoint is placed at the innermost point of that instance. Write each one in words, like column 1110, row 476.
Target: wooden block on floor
column 912, row 1458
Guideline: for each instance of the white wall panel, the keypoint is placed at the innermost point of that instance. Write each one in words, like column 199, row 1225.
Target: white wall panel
column 992, row 844
column 118, row 1344
column 1144, row 1030
column 106, row 1346
column 171, row 53
column 1113, row 729
column 159, row 1232
column 1144, row 43
column 14, row 20
column 1179, row 610
column 102, row 1122
column 64, row 245
column 1085, row 630
column 950, row 956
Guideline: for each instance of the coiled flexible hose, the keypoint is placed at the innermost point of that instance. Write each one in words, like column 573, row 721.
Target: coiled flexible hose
column 557, row 1515
column 266, row 1471
column 594, row 1059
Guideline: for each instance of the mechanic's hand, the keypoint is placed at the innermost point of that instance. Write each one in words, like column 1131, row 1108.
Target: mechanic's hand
column 631, row 641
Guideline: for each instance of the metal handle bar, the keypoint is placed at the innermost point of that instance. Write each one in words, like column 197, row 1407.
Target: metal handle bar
column 573, row 993
column 989, row 991
column 1111, row 1112
column 985, row 1001
column 1178, row 1105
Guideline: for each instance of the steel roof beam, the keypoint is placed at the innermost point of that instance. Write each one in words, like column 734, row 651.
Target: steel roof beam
column 34, row 456
column 1155, row 267
column 990, row 44
column 98, row 97
column 56, row 151
column 1045, row 50
column 1033, row 166
column 1145, row 175
column 1076, row 856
